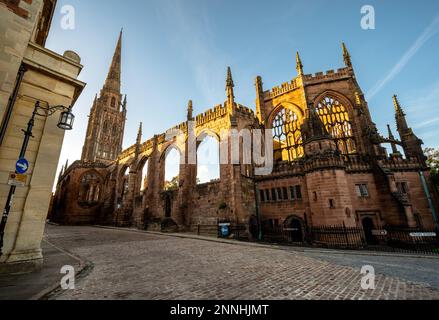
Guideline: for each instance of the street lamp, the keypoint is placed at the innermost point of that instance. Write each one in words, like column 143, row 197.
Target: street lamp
column 65, row 122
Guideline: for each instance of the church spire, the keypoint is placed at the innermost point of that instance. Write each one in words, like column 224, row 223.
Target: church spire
column 299, row 65
column 398, row 108
column 113, row 78
column 346, row 56
column 229, row 90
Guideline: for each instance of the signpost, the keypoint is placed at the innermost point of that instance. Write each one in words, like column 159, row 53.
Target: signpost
column 21, row 166
column 422, row 234
column 17, row 180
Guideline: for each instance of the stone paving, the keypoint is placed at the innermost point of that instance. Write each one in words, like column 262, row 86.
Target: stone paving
column 131, row 265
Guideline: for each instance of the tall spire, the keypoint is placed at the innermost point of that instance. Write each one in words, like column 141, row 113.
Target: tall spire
column 229, row 89
column 398, row 108
column 139, row 134
column 299, row 65
column 346, row 56
column 113, row 78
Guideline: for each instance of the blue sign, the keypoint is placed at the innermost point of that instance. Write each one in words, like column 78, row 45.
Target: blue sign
column 21, row 166
column 224, row 230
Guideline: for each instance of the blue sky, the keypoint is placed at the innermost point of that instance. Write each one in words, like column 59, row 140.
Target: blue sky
column 176, row 50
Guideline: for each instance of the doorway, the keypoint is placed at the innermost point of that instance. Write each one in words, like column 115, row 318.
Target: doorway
column 368, row 227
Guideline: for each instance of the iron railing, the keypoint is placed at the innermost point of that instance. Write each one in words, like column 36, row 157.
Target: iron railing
column 388, row 239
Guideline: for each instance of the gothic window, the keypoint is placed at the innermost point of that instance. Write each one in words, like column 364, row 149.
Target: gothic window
column 208, row 166
column 287, row 136
column 105, row 127
column 144, row 177
column 172, row 169
column 90, row 188
column 113, row 102
column 125, row 181
column 335, row 117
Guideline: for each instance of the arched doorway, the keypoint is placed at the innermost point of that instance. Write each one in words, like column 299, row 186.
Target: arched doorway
column 368, row 226
column 294, row 226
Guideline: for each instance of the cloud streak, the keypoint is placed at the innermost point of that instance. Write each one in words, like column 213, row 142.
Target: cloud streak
column 427, row 34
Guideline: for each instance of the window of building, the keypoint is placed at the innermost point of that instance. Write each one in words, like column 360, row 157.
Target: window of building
column 287, row 137
column 292, row 193
column 90, row 188
column 262, row 195
column 335, row 117
column 267, row 195
column 280, row 196
column 362, row 190
column 403, row 187
column 315, row 196
column 331, row 203
column 273, row 195
column 285, row 193
column 298, row 192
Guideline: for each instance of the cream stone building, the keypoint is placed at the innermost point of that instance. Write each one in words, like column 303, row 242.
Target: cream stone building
column 29, row 73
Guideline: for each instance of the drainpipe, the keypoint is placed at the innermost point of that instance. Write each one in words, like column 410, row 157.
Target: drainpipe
column 429, row 199
column 11, row 102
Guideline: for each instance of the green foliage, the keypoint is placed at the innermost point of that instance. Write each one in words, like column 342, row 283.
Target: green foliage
column 173, row 184
column 433, row 163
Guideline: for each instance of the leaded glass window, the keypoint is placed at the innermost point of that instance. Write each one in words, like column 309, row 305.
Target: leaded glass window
column 335, row 117
column 287, row 136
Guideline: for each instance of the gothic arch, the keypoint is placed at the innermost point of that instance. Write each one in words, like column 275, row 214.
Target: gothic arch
column 285, row 122
column 207, row 132
column 142, row 169
column 90, row 187
column 168, row 148
column 336, row 113
column 207, row 157
column 284, row 105
column 337, row 96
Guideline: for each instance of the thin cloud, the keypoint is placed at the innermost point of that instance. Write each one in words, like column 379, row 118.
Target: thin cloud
column 426, row 35
column 426, row 123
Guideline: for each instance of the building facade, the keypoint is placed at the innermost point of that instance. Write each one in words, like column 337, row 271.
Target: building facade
column 329, row 164
column 29, row 72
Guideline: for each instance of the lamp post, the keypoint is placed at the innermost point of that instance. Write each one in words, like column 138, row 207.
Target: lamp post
column 65, row 123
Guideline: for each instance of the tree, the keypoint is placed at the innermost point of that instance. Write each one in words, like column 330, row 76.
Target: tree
column 173, row 184
column 433, row 162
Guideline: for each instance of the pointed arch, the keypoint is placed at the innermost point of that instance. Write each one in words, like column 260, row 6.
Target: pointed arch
column 285, row 121
column 171, row 159
column 336, row 113
column 90, row 187
column 208, row 158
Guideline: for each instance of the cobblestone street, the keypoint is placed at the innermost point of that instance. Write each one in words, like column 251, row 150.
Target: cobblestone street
column 133, row 265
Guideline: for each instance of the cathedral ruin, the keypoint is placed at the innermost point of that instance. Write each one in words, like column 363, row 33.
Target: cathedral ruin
column 329, row 164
